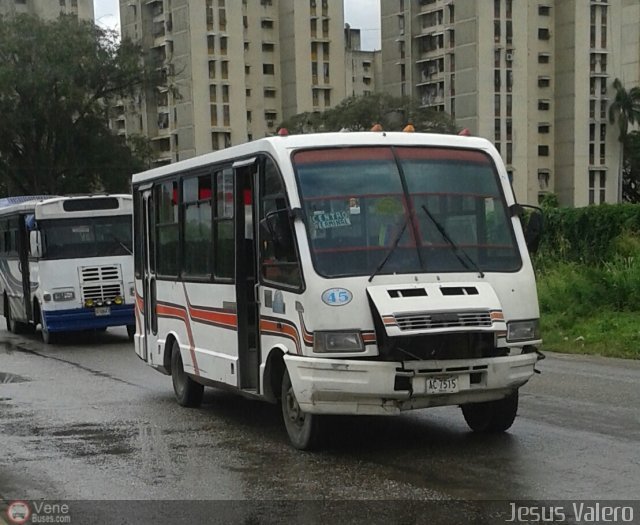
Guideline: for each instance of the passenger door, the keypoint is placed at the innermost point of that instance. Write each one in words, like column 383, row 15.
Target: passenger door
column 247, row 290
column 145, row 267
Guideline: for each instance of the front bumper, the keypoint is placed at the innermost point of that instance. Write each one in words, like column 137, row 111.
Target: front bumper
column 86, row 318
column 336, row 386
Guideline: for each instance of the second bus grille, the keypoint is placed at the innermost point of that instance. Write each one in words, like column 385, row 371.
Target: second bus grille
column 101, row 283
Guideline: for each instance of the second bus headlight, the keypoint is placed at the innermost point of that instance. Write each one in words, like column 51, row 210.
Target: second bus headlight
column 68, row 295
column 329, row 342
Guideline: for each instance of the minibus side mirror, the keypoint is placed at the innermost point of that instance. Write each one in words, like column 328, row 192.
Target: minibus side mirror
column 533, row 220
column 35, row 243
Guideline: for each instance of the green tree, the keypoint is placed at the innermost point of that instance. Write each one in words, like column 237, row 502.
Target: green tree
column 58, row 84
column 631, row 168
column 360, row 113
column 625, row 109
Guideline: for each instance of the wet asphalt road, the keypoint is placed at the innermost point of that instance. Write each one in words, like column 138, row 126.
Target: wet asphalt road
column 88, row 420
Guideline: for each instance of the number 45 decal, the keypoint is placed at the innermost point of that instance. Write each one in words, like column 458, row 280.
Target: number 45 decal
column 337, row 296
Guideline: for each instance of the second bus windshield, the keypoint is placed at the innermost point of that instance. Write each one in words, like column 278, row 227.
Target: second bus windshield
column 443, row 207
column 86, row 237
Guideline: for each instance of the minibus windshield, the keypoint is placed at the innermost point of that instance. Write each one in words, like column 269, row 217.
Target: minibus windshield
column 357, row 201
column 86, row 237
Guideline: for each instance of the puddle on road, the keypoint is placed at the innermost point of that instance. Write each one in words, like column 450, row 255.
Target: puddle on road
column 87, row 439
column 6, row 377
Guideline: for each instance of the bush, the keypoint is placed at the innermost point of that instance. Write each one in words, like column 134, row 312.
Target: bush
column 590, row 235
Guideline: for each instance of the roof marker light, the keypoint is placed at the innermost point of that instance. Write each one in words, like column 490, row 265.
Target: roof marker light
column 465, row 132
column 409, row 128
column 376, row 127
column 283, row 132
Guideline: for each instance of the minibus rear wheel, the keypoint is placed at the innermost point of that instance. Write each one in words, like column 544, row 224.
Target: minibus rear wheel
column 492, row 416
column 188, row 392
column 305, row 430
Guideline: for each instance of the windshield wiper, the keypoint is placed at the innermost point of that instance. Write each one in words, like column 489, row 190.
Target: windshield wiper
column 456, row 249
column 126, row 248
column 394, row 245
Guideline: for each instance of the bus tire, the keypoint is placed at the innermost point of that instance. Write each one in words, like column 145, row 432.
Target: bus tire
column 492, row 417
column 304, row 430
column 15, row 327
column 188, row 393
column 131, row 331
column 48, row 338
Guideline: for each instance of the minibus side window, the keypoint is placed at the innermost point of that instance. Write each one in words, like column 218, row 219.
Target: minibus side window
column 224, row 259
column 197, row 230
column 278, row 263
column 167, row 228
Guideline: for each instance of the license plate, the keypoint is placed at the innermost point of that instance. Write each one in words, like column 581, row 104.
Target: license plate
column 102, row 310
column 442, row 385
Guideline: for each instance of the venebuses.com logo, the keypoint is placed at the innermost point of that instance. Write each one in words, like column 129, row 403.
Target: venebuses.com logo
column 18, row 512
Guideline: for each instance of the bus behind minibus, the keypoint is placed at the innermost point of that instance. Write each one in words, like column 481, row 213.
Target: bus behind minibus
column 66, row 263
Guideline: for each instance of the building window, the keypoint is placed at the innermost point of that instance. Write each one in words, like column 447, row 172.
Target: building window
column 543, row 151
column 543, row 179
column 597, row 186
column 544, row 33
column 268, row 69
column 496, row 80
column 497, row 130
column 544, row 10
column 269, row 93
column 496, row 31
column 544, row 105
column 544, row 82
column 496, row 100
column 544, row 58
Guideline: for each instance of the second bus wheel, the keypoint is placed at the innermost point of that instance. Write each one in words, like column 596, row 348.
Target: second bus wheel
column 188, row 392
column 305, row 430
column 15, row 327
column 131, row 331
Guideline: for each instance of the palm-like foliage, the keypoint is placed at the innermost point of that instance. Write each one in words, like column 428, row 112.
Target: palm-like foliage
column 625, row 108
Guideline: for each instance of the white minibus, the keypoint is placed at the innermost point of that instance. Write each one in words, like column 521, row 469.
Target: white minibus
column 339, row 273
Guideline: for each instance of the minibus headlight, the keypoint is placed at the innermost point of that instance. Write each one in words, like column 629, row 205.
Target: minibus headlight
column 523, row 330
column 329, row 342
column 68, row 295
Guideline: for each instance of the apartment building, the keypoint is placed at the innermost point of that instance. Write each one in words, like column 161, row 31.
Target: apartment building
column 48, row 9
column 231, row 69
column 532, row 76
column 363, row 68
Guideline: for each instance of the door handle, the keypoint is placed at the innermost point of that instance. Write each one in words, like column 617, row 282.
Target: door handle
column 256, row 293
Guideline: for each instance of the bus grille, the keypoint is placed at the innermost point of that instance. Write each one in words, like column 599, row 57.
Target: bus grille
column 101, row 283
column 435, row 320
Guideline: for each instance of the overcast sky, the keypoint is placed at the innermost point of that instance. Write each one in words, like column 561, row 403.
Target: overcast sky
column 360, row 14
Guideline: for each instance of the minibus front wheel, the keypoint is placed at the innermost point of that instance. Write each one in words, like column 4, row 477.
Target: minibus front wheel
column 492, row 416
column 305, row 430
